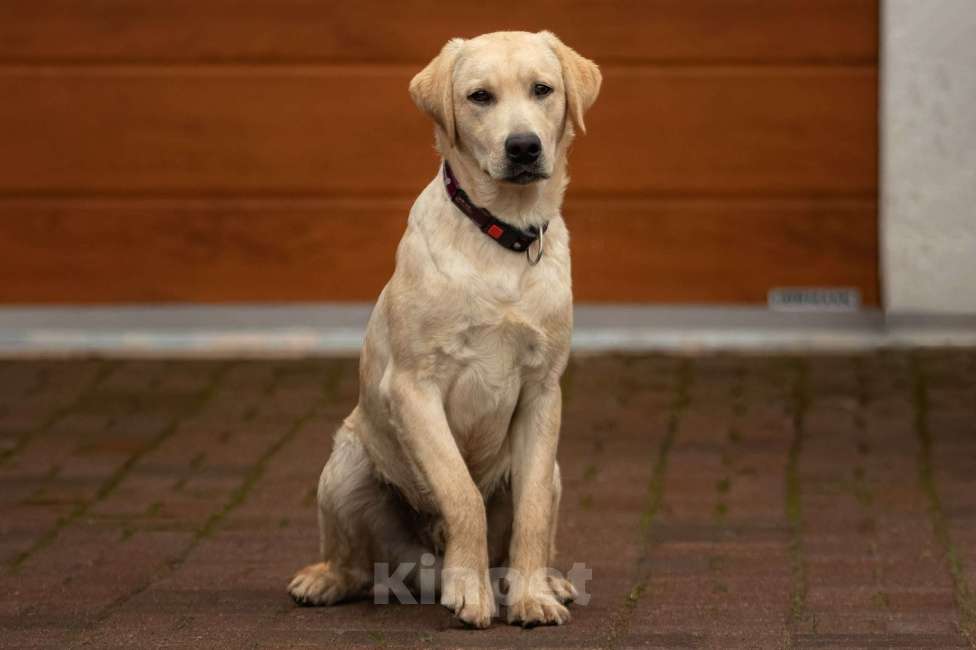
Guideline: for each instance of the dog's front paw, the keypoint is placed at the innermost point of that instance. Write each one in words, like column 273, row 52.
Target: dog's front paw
column 537, row 599
column 468, row 593
column 534, row 609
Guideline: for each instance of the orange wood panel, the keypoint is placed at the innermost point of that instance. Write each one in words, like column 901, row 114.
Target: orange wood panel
column 721, row 251
column 352, row 130
column 224, row 150
column 142, row 250
column 197, row 250
column 413, row 30
column 750, row 131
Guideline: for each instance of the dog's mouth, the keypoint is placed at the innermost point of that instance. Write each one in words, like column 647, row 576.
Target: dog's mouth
column 524, row 177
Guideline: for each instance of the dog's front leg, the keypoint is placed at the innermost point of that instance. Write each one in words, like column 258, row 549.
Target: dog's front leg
column 531, row 598
column 418, row 411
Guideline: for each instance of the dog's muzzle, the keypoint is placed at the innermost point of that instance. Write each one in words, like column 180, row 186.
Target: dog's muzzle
column 524, row 154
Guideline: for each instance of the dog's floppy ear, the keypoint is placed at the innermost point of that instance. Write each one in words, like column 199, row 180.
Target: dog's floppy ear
column 581, row 77
column 432, row 89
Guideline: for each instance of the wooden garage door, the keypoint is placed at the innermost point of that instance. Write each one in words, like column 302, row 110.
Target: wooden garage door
column 229, row 150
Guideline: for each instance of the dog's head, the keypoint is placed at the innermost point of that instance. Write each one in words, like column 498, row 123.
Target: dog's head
column 508, row 100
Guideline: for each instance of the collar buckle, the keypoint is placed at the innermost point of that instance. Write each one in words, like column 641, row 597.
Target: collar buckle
column 528, row 253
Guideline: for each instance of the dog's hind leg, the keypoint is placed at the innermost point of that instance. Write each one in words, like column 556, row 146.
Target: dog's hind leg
column 348, row 495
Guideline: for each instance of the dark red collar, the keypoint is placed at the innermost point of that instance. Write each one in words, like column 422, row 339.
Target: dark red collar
column 507, row 235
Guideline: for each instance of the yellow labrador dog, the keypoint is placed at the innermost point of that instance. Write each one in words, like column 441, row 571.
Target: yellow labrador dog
column 451, row 451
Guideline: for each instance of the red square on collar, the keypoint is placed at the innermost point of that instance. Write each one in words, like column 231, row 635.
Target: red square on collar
column 494, row 231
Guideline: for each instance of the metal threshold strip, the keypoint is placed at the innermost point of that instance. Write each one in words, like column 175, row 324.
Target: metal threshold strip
column 276, row 330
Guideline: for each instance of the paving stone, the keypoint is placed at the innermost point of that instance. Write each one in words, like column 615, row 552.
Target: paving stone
column 719, row 500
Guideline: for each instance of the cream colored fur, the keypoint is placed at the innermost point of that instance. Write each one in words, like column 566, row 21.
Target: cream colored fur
column 452, row 446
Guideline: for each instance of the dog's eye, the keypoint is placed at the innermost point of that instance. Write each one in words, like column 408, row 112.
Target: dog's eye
column 541, row 90
column 480, row 97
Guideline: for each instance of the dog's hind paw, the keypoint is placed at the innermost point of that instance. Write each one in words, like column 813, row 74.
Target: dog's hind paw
column 562, row 589
column 319, row 584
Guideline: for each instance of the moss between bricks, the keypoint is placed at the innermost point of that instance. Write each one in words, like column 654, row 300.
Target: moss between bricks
column 684, row 378
column 963, row 594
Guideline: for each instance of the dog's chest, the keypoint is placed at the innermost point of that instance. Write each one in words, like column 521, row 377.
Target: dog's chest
column 494, row 357
column 491, row 358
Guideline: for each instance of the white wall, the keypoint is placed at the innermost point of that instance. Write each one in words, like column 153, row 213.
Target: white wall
column 929, row 155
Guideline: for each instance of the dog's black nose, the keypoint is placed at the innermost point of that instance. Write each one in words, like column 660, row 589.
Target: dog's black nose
column 523, row 148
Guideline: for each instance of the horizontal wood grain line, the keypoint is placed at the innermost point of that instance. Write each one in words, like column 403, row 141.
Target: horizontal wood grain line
column 673, row 131
column 377, row 203
column 27, row 64
column 413, row 30
column 313, row 67
column 704, row 251
column 367, row 197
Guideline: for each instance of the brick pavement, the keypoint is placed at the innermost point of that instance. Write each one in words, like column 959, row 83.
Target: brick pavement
column 720, row 501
